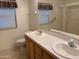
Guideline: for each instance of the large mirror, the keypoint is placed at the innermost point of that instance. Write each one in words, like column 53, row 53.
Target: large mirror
column 64, row 16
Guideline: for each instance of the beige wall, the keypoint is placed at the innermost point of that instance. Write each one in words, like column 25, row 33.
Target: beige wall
column 45, row 1
column 57, row 13
column 71, row 1
column 67, row 17
column 33, row 24
column 8, row 37
column 72, row 18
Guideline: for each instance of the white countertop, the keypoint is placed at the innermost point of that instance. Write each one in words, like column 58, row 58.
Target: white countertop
column 46, row 41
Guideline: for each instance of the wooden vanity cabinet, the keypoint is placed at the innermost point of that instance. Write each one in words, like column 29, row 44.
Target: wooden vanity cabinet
column 47, row 56
column 34, row 51
column 29, row 48
column 38, row 52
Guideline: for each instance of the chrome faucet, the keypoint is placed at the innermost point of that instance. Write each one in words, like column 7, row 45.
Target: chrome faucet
column 71, row 43
column 39, row 32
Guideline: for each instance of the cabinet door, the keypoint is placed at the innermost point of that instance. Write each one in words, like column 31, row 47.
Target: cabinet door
column 38, row 52
column 47, row 56
column 27, row 46
column 31, row 46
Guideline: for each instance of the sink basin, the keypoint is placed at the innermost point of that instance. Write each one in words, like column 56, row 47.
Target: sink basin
column 66, row 51
column 37, row 34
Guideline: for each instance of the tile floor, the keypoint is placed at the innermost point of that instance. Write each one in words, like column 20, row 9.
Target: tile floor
column 15, row 53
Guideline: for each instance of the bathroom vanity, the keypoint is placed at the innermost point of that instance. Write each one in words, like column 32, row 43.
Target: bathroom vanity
column 36, row 51
column 50, row 45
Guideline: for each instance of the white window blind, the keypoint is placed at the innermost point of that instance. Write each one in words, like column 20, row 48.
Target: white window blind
column 7, row 18
column 43, row 16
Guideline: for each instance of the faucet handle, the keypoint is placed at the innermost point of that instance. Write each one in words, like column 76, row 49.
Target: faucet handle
column 72, row 40
column 71, row 43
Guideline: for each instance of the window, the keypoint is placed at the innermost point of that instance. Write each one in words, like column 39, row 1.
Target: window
column 43, row 17
column 7, row 18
